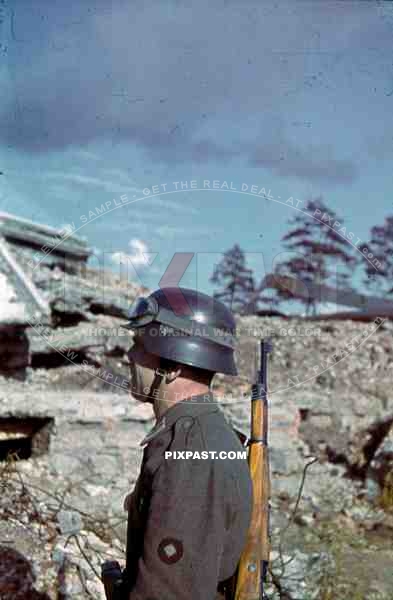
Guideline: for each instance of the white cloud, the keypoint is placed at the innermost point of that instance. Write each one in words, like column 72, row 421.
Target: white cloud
column 108, row 185
column 170, row 232
column 139, row 257
column 120, row 258
column 179, row 207
column 89, row 155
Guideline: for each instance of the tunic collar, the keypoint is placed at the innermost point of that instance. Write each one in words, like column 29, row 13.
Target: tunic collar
column 190, row 407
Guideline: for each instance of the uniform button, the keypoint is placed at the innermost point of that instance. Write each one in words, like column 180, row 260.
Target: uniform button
column 187, row 423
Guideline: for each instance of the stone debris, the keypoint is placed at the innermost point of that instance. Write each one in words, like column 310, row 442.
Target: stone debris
column 97, row 432
column 51, row 298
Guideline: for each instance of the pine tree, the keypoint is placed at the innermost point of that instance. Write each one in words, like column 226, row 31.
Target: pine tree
column 260, row 301
column 378, row 253
column 236, row 281
column 315, row 247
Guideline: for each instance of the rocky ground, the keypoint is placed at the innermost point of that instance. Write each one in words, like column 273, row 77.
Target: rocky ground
column 331, row 452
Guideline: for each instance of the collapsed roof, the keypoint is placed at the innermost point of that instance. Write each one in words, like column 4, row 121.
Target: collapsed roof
column 24, row 247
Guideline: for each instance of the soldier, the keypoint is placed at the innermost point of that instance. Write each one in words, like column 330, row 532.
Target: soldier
column 187, row 517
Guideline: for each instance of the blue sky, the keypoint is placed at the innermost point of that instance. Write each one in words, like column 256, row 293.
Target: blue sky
column 101, row 100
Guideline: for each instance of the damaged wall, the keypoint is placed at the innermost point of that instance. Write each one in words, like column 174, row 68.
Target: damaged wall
column 50, row 297
column 14, row 344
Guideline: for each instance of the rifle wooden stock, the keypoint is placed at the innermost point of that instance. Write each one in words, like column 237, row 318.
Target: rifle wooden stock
column 252, row 567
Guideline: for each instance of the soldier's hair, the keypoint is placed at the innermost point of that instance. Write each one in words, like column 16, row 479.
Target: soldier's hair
column 194, row 373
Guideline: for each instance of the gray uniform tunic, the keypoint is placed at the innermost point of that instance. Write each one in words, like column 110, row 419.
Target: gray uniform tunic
column 189, row 517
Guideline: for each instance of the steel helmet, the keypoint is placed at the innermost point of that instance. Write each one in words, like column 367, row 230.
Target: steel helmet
column 187, row 327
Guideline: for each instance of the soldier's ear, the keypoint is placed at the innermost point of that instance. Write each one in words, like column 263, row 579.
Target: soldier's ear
column 173, row 374
column 160, row 372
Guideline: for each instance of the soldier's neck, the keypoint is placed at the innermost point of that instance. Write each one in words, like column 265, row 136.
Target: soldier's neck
column 160, row 405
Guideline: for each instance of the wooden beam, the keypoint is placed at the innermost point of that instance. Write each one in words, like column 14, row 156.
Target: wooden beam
column 25, row 289
column 57, row 245
column 38, row 227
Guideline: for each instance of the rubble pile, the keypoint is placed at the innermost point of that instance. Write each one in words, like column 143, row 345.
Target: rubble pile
column 53, row 305
column 342, row 417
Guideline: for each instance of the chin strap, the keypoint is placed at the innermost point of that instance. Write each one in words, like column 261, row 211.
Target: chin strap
column 159, row 375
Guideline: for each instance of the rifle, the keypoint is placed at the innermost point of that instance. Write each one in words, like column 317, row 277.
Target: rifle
column 248, row 581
